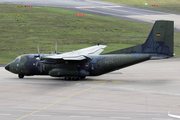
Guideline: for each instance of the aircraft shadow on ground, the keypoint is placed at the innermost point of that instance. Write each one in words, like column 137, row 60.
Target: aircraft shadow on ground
column 59, row 80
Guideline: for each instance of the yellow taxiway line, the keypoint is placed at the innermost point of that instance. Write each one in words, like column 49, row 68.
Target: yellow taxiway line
column 60, row 101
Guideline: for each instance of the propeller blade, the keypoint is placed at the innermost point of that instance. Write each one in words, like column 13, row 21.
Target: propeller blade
column 56, row 48
column 38, row 51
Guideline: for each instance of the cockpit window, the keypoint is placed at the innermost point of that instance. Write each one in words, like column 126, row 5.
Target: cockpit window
column 17, row 60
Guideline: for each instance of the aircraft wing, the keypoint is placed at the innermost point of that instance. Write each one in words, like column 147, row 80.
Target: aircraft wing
column 78, row 54
column 175, row 116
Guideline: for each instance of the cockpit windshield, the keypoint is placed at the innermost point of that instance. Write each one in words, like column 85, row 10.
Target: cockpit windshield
column 17, row 60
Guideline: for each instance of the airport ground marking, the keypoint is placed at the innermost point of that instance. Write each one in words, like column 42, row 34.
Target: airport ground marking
column 121, row 117
column 60, row 101
column 79, row 116
column 99, row 80
column 77, row 83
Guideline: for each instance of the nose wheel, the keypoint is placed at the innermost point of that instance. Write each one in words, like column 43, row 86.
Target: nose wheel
column 20, row 76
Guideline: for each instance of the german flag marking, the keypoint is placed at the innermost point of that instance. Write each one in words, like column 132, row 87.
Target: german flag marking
column 158, row 34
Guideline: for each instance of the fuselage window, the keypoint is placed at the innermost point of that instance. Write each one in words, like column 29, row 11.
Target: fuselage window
column 17, row 60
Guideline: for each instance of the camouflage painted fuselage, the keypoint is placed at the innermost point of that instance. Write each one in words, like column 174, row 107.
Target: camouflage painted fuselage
column 93, row 66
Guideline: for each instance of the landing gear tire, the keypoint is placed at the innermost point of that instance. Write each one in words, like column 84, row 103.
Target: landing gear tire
column 72, row 78
column 83, row 77
column 67, row 78
column 77, row 78
column 20, row 76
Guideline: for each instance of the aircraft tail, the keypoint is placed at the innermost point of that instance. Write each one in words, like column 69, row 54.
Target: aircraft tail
column 158, row 45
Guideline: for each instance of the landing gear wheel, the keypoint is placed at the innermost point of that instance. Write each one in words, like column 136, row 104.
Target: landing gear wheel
column 20, row 76
column 83, row 77
column 67, row 78
column 72, row 78
column 77, row 78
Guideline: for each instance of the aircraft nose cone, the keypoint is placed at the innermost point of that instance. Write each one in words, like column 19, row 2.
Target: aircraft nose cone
column 7, row 67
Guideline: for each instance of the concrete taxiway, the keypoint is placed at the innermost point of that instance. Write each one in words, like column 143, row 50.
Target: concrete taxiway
column 105, row 9
column 146, row 91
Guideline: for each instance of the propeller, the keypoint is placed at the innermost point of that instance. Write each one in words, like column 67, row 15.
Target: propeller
column 38, row 57
column 55, row 52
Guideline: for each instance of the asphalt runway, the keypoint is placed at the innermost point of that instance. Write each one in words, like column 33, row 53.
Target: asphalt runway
column 146, row 91
column 105, row 9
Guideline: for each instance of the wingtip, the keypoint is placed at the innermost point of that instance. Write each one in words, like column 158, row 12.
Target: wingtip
column 169, row 112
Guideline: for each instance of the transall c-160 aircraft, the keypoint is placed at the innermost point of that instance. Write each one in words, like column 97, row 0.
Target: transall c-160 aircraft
column 87, row 62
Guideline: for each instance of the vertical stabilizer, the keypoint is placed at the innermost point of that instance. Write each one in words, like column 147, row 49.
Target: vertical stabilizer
column 160, row 39
column 159, row 44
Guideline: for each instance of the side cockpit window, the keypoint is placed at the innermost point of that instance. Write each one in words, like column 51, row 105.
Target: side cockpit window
column 17, row 60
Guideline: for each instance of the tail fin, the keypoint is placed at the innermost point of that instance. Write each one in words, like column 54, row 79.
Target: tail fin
column 159, row 44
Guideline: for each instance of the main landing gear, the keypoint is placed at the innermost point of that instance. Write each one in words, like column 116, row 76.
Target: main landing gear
column 74, row 78
column 20, row 76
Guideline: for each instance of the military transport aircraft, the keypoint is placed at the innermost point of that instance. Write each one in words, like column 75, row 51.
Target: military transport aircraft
column 87, row 62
